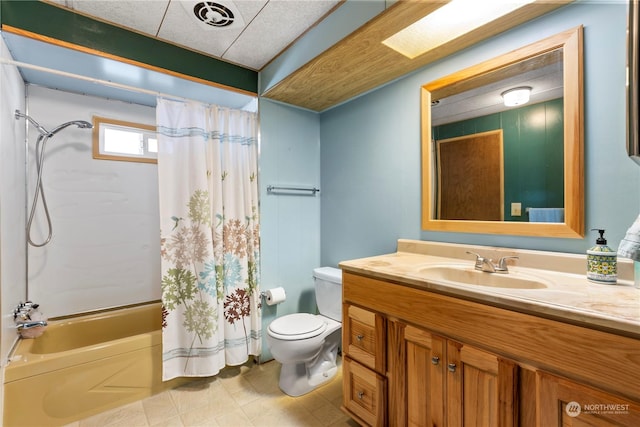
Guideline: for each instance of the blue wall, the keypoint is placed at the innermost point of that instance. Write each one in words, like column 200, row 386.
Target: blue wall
column 290, row 225
column 370, row 147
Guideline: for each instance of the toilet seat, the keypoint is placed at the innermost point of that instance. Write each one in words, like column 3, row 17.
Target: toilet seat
column 297, row 326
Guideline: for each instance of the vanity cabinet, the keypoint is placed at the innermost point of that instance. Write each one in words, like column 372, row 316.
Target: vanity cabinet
column 563, row 403
column 445, row 379
column 414, row 357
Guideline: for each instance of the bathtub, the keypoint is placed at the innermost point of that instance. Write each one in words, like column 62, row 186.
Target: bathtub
column 84, row 365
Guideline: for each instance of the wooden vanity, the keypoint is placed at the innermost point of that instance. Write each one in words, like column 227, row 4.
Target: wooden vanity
column 418, row 353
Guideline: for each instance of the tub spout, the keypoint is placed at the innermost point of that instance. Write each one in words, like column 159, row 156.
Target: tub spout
column 31, row 328
column 28, row 325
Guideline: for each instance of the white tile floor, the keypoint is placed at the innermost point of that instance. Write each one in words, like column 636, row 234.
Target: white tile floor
column 239, row 396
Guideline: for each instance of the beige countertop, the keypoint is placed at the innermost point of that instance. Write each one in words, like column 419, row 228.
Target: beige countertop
column 567, row 295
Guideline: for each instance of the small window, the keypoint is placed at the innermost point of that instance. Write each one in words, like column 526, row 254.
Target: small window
column 124, row 141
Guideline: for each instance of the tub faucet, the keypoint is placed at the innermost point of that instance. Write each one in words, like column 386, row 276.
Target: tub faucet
column 487, row 265
column 28, row 325
column 22, row 312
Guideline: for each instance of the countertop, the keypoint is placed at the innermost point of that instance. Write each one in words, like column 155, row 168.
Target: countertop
column 568, row 295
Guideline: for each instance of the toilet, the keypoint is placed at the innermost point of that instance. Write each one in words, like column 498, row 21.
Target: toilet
column 307, row 344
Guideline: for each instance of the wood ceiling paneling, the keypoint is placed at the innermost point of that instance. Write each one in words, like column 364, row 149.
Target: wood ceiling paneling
column 360, row 62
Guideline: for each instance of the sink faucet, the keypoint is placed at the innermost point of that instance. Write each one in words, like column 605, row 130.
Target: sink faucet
column 487, row 265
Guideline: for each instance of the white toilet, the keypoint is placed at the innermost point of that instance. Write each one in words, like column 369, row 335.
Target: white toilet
column 307, row 344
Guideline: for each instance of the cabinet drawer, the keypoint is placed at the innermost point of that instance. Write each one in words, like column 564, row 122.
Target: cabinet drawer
column 364, row 393
column 364, row 337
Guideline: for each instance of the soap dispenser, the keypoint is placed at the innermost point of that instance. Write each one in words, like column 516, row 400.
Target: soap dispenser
column 602, row 262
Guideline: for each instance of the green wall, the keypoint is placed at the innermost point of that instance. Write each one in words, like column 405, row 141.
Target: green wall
column 533, row 153
column 64, row 25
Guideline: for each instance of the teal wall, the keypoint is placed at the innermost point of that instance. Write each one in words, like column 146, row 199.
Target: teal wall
column 290, row 224
column 370, row 152
column 532, row 138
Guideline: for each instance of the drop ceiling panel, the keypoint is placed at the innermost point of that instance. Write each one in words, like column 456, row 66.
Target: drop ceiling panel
column 144, row 16
column 270, row 26
column 181, row 28
column 278, row 24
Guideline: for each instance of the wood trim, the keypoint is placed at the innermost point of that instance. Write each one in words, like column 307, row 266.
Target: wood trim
column 95, row 136
column 601, row 359
column 102, row 54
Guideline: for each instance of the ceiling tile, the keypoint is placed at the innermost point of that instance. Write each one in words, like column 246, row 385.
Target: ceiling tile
column 142, row 15
column 274, row 28
column 181, row 28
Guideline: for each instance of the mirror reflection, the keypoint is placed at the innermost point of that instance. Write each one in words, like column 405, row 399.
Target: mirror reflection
column 507, row 169
column 500, row 159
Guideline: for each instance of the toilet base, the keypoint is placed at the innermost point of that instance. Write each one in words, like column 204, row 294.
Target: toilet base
column 295, row 381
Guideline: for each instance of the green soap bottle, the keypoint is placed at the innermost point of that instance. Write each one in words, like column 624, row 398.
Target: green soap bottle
column 602, row 262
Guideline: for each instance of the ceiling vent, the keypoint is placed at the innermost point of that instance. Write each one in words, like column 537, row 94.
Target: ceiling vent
column 214, row 15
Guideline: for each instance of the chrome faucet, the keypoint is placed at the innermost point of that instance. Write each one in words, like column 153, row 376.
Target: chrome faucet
column 24, row 322
column 487, row 265
column 22, row 313
column 32, row 324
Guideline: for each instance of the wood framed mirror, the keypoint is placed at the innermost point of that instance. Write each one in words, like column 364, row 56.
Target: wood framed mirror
column 556, row 202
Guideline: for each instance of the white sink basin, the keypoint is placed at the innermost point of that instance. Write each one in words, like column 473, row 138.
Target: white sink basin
column 467, row 275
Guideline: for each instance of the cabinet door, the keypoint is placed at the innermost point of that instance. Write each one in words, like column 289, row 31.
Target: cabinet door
column 570, row 404
column 425, row 361
column 481, row 388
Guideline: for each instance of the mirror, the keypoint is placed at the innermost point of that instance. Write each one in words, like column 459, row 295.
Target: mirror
column 561, row 194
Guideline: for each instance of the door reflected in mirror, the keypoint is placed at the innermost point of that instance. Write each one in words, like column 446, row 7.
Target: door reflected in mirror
column 528, row 181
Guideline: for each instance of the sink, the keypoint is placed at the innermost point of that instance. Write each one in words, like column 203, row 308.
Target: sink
column 467, row 275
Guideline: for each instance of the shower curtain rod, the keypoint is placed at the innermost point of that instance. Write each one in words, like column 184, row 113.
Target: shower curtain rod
column 94, row 80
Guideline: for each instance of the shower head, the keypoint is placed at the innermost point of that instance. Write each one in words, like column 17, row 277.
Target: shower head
column 45, row 133
column 42, row 130
column 80, row 123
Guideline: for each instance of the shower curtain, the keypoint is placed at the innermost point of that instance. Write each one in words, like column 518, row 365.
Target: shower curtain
column 208, row 190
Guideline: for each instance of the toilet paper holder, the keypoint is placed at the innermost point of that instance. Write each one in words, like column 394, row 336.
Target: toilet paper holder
column 274, row 296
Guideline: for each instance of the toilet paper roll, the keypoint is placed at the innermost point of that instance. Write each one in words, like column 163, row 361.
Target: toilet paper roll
column 275, row 296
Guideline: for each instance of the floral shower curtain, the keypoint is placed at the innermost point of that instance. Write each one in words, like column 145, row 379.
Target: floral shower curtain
column 207, row 177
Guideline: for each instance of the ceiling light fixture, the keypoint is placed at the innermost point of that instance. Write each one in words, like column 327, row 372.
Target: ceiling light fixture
column 516, row 96
column 449, row 22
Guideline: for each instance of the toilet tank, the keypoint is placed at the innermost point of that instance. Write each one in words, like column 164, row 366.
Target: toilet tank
column 329, row 292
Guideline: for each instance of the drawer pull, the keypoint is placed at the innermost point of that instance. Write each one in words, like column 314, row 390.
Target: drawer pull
column 451, row 367
column 360, row 395
column 359, row 337
column 435, row 360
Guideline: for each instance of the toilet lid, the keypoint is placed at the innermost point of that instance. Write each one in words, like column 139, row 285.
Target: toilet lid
column 298, row 326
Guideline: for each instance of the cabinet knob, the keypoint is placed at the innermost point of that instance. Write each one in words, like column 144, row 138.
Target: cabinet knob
column 435, row 360
column 451, row 367
column 360, row 395
column 359, row 337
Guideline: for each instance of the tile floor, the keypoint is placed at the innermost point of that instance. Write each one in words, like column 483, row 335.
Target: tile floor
column 247, row 395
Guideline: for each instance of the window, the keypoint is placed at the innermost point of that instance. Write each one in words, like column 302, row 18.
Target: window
column 124, row 141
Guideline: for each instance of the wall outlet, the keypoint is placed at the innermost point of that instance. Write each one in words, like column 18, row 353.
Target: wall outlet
column 516, row 209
